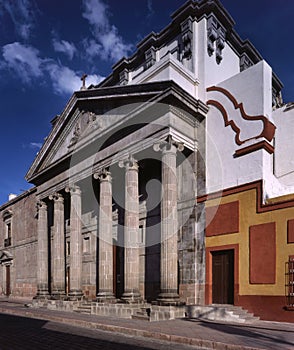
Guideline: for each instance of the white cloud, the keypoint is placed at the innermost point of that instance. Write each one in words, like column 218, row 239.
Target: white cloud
column 150, row 8
column 107, row 43
column 22, row 14
column 28, row 65
column 24, row 60
column 35, row 145
column 65, row 80
column 65, row 47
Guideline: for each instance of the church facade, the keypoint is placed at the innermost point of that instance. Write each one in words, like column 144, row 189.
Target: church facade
column 171, row 182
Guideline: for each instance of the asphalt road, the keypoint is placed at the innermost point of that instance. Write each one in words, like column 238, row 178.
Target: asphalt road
column 26, row 333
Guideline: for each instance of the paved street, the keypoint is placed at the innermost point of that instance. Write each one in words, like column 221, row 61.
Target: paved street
column 26, row 333
column 22, row 327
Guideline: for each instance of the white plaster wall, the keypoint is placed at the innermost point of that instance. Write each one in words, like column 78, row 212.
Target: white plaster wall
column 170, row 69
column 284, row 146
column 209, row 71
column 253, row 88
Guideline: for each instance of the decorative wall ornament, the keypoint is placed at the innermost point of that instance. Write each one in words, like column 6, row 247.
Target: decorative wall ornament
column 267, row 131
column 150, row 57
column 124, row 77
column 245, row 62
column 211, row 34
column 277, row 99
column 87, row 122
column 216, row 37
column 186, row 39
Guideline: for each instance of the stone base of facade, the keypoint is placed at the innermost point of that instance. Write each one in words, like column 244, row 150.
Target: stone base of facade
column 192, row 293
column 131, row 298
column 168, row 299
column 163, row 313
column 106, row 297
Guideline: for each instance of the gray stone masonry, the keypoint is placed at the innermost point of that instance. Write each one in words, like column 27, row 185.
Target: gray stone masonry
column 169, row 224
column 42, row 252
column 75, row 244
column 131, row 232
column 58, row 276
column 105, row 239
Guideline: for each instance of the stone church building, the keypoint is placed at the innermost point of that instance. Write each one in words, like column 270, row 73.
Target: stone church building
column 170, row 183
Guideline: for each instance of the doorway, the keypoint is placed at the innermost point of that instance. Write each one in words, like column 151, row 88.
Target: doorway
column 8, row 289
column 223, row 277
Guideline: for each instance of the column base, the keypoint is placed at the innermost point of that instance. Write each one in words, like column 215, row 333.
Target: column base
column 106, row 297
column 169, row 299
column 75, row 295
column 42, row 294
column 131, row 297
column 58, row 295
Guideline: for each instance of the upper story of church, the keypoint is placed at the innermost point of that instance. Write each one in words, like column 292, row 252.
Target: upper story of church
column 214, row 94
column 198, row 49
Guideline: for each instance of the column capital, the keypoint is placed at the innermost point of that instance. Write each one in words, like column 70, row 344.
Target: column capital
column 56, row 197
column 168, row 146
column 41, row 205
column 129, row 164
column 103, row 176
column 73, row 190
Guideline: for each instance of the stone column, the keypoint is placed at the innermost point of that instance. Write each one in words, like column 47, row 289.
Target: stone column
column 105, row 293
column 169, row 223
column 58, row 276
column 131, row 231
column 75, row 292
column 42, row 253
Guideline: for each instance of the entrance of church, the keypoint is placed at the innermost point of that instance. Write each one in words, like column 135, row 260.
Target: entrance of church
column 223, row 277
column 8, row 289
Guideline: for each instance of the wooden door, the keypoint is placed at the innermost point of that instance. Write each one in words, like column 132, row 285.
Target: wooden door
column 8, row 290
column 223, row 277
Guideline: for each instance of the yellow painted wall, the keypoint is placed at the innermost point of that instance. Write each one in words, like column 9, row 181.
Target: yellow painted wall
column 249, row 217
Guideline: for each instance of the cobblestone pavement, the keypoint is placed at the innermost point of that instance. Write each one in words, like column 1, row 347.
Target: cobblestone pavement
column 25, row 333
column 201, row 334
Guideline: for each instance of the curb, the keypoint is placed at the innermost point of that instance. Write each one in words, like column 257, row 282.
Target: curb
column 131, row 331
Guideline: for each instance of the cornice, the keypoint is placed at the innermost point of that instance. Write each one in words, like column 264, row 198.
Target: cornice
column 197, row 10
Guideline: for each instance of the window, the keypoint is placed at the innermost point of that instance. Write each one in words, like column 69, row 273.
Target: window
column 7, row 218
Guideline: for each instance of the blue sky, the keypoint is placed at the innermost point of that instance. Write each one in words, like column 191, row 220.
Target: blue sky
column 46, row 45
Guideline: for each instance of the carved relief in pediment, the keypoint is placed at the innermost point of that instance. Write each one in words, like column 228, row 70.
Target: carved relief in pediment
column 87, row 122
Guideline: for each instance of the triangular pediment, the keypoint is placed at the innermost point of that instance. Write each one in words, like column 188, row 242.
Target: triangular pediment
column 95, row 115
column 5, row 257
column 88, row 114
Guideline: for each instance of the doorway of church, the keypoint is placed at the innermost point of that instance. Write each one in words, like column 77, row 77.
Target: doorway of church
column 8, row 289
column 67, row 278
column 223, row 277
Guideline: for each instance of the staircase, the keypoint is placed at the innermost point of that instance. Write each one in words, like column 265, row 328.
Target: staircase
column 239, row 313
column 142, row 314
column 84, row 308
column 221, row 313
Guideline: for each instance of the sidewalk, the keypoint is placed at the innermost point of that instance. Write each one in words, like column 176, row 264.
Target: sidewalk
column 211, row 335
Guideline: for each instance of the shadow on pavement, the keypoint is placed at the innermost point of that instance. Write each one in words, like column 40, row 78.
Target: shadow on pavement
column 26, row 333
column 257, row 335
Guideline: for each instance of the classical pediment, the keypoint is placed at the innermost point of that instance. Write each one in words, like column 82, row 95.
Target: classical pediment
column 5, row 257
column 92, row 115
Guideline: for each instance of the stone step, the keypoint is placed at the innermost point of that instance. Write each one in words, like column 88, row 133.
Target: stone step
column 140, row 317
column 84, row 308
column 222, row 313
column 142, row 314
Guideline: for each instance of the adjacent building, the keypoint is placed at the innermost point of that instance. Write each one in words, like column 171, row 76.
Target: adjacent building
column 172, row 181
